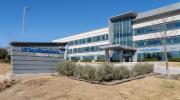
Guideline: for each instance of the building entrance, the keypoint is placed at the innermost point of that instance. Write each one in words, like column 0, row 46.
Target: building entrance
column 127, row 56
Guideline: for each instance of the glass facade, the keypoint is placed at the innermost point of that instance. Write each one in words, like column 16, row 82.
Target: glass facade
column 89, row 40
column 101, row 57
column 85, row 49
column 173, row 40
column 75, row 58
column 122, row 32
column 159, row 55
column 157, row 28
column 88, row 57
column 115, row 56
column 69, row 51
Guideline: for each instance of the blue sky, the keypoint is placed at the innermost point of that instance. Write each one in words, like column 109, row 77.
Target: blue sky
column 53, row 19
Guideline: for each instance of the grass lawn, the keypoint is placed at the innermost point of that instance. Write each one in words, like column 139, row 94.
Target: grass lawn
column 53, row 88
column 171, row 64
column 5, row 68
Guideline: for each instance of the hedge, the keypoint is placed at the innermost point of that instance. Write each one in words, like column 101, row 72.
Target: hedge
column 6, row 60
column 86, row 61
column 174, row 59
column 100, row 60
column 102, row 73
column 153, row 59
column 74, row 61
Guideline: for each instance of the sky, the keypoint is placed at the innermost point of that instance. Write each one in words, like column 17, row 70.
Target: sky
column 54, row 19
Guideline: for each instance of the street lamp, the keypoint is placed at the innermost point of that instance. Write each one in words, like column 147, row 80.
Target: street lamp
column 24, row 20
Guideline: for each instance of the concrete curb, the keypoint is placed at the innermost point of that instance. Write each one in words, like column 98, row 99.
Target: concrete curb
column 17, row 77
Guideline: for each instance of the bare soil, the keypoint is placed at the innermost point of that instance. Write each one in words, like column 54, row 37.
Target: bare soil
column 170, row 64
column 62, row 88
column 5, row 68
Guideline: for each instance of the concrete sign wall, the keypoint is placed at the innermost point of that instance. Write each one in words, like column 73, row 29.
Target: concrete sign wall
column 36, row 57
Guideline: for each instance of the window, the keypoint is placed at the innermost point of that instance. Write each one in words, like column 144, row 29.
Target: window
column 89, row 40
column 69, row 51
column 96, row 38
column 75, row 58
column 75, row 50
column 82, row 41
column 101, row 57
column 94, row 48
column 76, row 42
column 80, row 50
column 70, row 43
column 88, row 57
column 104, row 37
column 87, row 49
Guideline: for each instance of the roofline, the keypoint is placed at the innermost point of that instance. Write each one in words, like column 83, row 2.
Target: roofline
column 124, row 15
column 37, row 43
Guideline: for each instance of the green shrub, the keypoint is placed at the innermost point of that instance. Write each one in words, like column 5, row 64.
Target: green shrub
column 6, row 60
column 104, row 72
column 153, row 59
column 88, row 73
column 174, row 59
column 120, row 72
column 86, row 61
column 78, row 71
column 74, row 61
column 65, row 68
column 100, row 60
column 141, row 69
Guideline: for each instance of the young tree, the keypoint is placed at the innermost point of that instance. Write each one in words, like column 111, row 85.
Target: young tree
column 165, row 26
column 3, row 53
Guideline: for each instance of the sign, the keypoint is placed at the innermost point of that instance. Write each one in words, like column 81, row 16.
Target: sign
column 149, row 49
column 38, row 50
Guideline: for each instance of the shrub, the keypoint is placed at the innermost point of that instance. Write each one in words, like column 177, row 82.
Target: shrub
column 174, row 59
column 88, row 73
column 74, row 61
column 65, row 68
column 120, row 72
column 153, row 59
column 6, row 60
column 141, row 69
column 100, row 60
column 86, row 61
column 104, row 72
column 78, row 71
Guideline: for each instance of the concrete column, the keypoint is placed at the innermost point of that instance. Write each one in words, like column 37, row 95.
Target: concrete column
column 95, row 57
column 134, row 56
column 107, row 55
column 121, row 55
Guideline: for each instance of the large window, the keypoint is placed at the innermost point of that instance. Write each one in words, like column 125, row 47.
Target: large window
column 94, row 48
column 101, row 57
column 82, row 41
column 173, row 40
column 76, row 42
column 69, row 51
column 75, row 58
column 87, row 49
column 96, row 38
column 89, row 40
column 104, row 37
column 88, row 57
column 80, row 50
column 70, row 43
column 157, row 28
column 75, row 50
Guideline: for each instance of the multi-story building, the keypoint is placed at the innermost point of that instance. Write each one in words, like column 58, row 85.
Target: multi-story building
column 128, row 38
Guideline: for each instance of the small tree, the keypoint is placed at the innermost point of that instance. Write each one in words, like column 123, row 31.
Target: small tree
column 162, row 23
column 3, row 53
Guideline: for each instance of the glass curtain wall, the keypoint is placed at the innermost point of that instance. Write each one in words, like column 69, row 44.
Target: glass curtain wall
column 122, row 32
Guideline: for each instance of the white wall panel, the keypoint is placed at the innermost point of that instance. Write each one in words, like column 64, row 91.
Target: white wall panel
column 84, row 35
column 153, row 35
column 87, row 54
column 152, row 22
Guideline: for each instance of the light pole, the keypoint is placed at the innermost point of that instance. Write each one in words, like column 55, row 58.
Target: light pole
column 24, row 20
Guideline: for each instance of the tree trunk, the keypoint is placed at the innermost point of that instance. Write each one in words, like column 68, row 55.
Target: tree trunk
column 167, row 68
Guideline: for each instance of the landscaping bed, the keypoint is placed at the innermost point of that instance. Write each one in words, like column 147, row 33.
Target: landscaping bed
column 105, row 74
